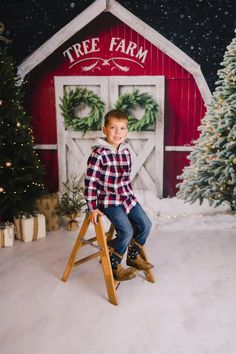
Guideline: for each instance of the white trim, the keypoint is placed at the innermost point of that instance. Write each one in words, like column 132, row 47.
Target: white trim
column 178, row 148
column 159, row 141
column 61, row 139
column 202, row 85
column 95, row 134
column 132, row 21
column 45, row 147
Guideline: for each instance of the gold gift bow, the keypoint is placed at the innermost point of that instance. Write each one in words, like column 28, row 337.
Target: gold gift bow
column 36, row 228
column 2, row 239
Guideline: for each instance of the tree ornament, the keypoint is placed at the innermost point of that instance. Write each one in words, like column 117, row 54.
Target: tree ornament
column 72, row 99
column 129, row 101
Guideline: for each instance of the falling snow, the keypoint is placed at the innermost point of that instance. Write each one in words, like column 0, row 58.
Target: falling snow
column 192, row 26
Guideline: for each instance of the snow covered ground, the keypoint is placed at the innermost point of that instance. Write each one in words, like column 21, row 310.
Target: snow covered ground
column 175, row 214
column 191, row 308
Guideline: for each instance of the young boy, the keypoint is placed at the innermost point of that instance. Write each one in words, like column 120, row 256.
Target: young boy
column 108, row 190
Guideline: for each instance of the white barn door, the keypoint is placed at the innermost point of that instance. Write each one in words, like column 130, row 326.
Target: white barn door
column 146, row 147
column 74, row 147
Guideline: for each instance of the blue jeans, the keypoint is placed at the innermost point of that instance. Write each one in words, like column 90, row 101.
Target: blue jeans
column 135, row 225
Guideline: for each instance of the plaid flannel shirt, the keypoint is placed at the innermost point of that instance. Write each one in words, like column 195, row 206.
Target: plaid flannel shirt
column 107, row 180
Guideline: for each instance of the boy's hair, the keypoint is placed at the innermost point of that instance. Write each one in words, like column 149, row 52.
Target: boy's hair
column 117, row 114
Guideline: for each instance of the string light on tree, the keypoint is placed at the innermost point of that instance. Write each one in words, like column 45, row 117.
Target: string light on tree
column 19, row 165
column 213, row 157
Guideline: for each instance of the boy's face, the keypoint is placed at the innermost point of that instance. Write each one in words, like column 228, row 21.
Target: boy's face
column 116, row 131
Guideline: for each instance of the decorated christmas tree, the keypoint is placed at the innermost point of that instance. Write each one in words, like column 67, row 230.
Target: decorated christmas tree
column 20, row 169
column 211, row 174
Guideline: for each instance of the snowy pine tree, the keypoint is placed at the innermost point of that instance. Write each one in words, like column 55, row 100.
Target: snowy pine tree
column 21, row 172
column 211, row 174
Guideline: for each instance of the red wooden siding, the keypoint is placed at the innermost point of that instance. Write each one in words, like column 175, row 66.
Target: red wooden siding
column 184, row 106
column 50, row 162
column 174, row 161
column 184, row 109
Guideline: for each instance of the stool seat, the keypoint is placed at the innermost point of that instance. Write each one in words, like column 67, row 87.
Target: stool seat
column 102, row 241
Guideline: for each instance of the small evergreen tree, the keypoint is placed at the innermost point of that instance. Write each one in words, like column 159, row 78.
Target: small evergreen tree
column 21, row 172
column 212, row 170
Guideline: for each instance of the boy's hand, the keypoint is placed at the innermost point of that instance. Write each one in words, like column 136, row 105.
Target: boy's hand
column 93, row 215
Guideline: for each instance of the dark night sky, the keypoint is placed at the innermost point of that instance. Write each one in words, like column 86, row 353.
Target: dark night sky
column 201, row 28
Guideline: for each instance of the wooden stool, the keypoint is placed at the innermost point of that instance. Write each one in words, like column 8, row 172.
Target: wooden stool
column 101, row 240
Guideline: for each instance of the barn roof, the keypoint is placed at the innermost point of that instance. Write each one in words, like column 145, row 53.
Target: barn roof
column 112, row 6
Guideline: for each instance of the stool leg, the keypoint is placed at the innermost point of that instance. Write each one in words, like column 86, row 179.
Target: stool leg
column 75, row 249
column 148, row 273
column 110, row 233
column 106, row 264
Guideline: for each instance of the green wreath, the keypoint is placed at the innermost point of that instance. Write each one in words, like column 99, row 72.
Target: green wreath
column 128, row 101
column 73, row 99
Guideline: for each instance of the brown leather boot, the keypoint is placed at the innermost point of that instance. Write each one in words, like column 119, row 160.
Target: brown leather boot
column 122, row 274
column 134, row 258
column 139, row 263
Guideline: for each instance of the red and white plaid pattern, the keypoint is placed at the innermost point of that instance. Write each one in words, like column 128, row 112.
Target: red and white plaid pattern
column 107, row 180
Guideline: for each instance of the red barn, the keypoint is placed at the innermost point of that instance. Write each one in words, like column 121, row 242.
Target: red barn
column 109, row 51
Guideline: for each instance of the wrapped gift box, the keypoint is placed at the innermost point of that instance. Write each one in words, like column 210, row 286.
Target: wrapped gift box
column 7, row 235
column 30, row 229
column 47, row 205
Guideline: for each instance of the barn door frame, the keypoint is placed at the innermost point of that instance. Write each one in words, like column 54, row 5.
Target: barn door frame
column 109, row 91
